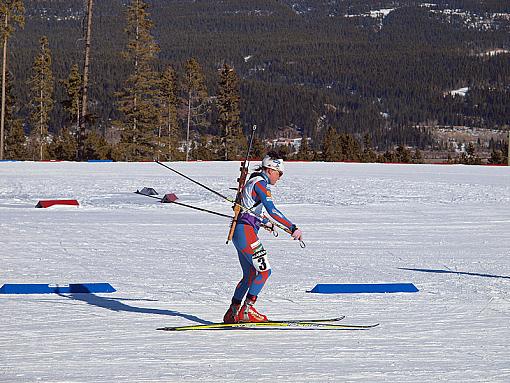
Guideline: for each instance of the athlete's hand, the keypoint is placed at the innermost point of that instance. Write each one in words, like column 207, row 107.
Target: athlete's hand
column 297, row 234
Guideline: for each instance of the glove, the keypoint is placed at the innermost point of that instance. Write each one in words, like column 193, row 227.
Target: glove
column 297, row 234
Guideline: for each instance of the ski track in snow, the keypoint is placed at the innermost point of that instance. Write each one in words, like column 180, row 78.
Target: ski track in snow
column 443, row 228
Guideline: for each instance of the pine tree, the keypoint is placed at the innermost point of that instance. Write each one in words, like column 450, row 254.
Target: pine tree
column 64, row 146
column 496, row 157
column 202, row 150
column 15, row 139
column 96, row 147
column 196, row 98
column 168, row 135
column 41, row 103
column 349, row 148
column 229, row 120
column 418, row 157
column 304, row 150
column 330, row 147
column 369, row 155
column 388, row 156
column 11, row 14
column 258, row 149
column 216, row 148
column 470, row 157
column 72, row 105
column 138, row 99
column 403, row 154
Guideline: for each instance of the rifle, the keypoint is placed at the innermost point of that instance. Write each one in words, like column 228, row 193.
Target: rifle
column 237, row 207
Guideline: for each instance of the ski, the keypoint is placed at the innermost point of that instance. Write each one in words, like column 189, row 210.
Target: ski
column 310, row 323
column 268, row 326
column 336, row 319
column 226, row 325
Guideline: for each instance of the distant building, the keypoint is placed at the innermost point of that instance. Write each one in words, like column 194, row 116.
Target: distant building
column 458, row 92
column 289, row 136
column 295, row 143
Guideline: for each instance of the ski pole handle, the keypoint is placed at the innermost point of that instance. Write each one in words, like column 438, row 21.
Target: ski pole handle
column 285, row 229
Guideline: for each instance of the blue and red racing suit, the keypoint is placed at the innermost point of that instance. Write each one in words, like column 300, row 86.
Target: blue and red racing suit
column 252, row 255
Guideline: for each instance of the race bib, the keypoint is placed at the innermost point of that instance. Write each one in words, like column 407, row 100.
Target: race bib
column 259, row 257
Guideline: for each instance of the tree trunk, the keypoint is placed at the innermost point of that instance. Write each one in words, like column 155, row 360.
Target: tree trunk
column 4, row 71
column 41, row 123
column 159, row 143
column 86, row 63
column 187, row 129
column 169, row 133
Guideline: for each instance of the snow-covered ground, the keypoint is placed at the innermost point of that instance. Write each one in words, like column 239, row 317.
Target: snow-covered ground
column 444, row 228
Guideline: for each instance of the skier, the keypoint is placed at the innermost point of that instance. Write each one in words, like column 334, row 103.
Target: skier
column 256, row 195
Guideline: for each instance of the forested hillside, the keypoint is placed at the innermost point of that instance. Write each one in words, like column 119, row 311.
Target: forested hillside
column 378, row 67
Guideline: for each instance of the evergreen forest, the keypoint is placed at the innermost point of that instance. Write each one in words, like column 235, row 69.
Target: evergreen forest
column 356, row 80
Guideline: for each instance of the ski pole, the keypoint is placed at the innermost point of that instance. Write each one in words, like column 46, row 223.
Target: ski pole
column 207, row 188
column 171, row 198
column 195, row 181
column 237, row 205
column 284, row 228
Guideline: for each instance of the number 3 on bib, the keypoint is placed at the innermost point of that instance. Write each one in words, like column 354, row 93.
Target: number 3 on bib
column 259, row 257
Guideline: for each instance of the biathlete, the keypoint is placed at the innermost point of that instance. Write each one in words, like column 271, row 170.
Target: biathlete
column 256, row 195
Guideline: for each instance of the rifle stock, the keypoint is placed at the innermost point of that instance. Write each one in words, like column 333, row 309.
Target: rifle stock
column 237, row 205
column 241, row 181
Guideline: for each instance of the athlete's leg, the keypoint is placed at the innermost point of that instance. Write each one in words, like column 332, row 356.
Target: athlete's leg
column 244, row 284
column 256, row 271
column 253, row 259
column 241, row 241
column 261, row 264
column 257, row 255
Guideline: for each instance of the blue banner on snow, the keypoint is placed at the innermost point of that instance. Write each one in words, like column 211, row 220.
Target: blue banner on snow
column 73, row 288
column 356, row 288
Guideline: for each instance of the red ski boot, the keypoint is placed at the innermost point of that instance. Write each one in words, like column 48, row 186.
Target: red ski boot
column 231, row 314
column 248, row 312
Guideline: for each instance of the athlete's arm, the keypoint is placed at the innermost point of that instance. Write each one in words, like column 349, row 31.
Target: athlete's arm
column 262, row 193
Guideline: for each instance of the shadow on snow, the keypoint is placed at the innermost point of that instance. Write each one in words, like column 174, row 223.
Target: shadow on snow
column 439, row 271
column 115, row 305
